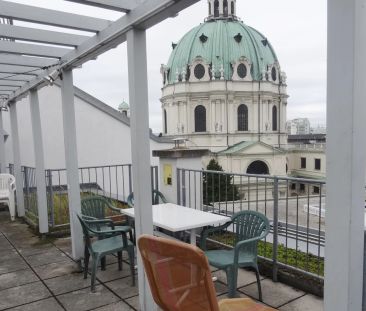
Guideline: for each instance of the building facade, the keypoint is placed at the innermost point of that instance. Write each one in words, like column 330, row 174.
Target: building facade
column 223, row 87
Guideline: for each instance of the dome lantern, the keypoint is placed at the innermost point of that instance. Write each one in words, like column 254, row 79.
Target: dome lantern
column 221, row 9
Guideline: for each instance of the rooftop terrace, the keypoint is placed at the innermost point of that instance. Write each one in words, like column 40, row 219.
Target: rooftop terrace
column 41, row 275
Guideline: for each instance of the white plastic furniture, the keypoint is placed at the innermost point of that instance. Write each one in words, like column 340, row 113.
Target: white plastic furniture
column 7, row 188
column 175, row 218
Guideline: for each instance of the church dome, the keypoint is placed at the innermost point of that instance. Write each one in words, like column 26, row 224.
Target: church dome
column 123, row 106
column 222, row 44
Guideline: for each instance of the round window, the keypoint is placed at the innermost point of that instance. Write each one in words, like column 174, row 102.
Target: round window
column 274, row 74
column 242, row 71
column 199, row 71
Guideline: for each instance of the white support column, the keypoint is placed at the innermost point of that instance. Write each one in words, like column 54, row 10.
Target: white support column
column 39, row 159
column 2, row 145
column 17, row 161
column 140, row 143
column 71, row 158
column 346, row 154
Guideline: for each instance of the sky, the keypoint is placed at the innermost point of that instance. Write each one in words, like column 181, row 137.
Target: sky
column 296, row 30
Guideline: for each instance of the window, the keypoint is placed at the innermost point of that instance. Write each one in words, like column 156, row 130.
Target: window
column 209, row 8
column 216, row 8
column 200, row 119
column 317, row 164
column 274, row 74
column 124, row 112
column 165, row 122
column 303, row 162
column 199, row 71
column 242, row 118
column 242, row 71
column 274, row 118
column 316, row 190
column 302, row 187
column 293, row 186
column 226, row 9
column 232, row 8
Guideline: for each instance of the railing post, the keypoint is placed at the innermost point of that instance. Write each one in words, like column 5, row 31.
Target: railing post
column 50, row 196
column 2, row 145
column 275, row 229
column 26, row 186
column 130, row 178
column 156, row 169
column 183, row 187
column 178, row 186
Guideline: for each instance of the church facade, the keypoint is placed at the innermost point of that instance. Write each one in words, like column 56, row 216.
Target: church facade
column 224, row 90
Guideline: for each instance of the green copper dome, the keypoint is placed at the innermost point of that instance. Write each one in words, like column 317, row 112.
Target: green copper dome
column 123, row 105
column 222, row 43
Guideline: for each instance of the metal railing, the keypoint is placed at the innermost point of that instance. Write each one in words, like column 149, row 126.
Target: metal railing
column 294, row 206
column 111, row 181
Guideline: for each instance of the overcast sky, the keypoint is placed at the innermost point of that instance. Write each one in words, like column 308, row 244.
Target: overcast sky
column 296, row 29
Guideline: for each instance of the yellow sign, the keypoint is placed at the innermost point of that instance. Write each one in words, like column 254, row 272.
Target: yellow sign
column 167, row 174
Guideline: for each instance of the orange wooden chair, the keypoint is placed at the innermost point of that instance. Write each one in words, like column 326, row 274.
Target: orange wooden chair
column 180, row 278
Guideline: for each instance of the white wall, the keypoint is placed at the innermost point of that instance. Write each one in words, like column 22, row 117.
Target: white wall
column 101, row 138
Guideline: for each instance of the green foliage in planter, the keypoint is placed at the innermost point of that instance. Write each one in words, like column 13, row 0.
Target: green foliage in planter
column 218, row 187
column 288, row 256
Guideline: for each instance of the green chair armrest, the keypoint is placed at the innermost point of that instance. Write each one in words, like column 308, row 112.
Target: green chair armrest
column 99, row 222
column 207, row 231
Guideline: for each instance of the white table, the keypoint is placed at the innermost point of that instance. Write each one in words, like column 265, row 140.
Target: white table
column 175, row 218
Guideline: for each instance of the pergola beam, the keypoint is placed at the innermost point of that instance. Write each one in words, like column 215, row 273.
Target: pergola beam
column 49, row 17
column 20, row 60
column 147, row 14
column 32, row 49
column 8, row 88
column 19, row 69
column 40, row 35
column 116, row 5
column 15, row 77
column 11, row 83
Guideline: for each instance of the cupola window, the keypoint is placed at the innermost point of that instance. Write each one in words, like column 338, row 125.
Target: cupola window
column 216, row 8
column 274, row 118
column 242, row 118
column 226, row 9
column 200, row 119
column 274, row 74
column 242, row 71
column 199, row 71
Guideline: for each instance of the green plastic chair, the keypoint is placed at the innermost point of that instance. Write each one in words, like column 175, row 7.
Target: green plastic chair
column 248, row 227
column 97, row 207
column 113, row 241
column 157, row 198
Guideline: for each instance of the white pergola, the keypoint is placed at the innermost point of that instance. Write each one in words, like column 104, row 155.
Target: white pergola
column 31, row 58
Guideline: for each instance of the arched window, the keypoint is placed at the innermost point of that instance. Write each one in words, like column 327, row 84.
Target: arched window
column 232, row 8
column 242, row 118
column 258, row 168
column 165, row 122
column 216, row 8
column 226, row 9
column 200, row 119
column 274, row 118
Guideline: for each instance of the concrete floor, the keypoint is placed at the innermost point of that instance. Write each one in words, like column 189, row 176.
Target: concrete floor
column 35, row 275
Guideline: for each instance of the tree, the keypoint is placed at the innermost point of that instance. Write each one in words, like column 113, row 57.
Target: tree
column 218, row 187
